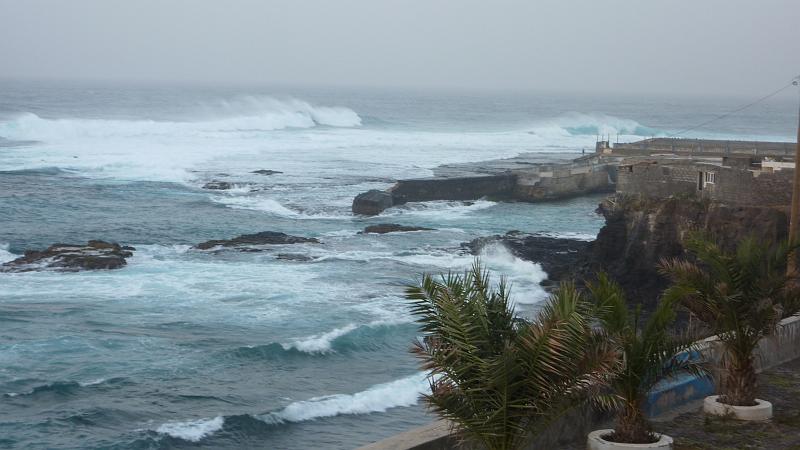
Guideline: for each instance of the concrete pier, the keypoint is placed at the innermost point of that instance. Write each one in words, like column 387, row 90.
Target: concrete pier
column 539, row 177
column 527, row 178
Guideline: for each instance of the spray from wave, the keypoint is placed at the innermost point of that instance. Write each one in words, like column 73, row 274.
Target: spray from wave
column 263, row 115
column 581, row 124
column 5, row 255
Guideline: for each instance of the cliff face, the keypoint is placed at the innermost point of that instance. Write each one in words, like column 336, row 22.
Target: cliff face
column 640, row 232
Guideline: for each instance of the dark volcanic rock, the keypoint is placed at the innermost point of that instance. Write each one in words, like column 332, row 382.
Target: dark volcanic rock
column 293, row 257
column 95, row 255
column 266, row 172
column 245, row 242
column 639, row 233
column 372, row 202
column 383, row 228
column 559, row 258
column 218, row 185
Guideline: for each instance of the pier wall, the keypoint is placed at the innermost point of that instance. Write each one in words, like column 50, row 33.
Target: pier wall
column 461, row 188
column 569, row 183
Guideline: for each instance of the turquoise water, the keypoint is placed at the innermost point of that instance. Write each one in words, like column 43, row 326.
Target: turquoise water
column 190, row 349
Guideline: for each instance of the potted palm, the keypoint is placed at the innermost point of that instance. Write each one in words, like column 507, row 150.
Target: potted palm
column 498, row 379
column 740, row 296
column 649, row 353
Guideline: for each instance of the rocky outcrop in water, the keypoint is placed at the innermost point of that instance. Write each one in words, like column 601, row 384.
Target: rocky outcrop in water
column 266, row 172
column 294, row 257
column 383, row 228
column 252, row 242
column 559, row 258
column 372, row 203
column 639, row 233
column 95, row 255
column 218, row 185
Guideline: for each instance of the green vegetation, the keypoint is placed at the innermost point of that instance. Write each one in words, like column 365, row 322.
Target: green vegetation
column 740, row 296
column 648, row 353
column 501, row 380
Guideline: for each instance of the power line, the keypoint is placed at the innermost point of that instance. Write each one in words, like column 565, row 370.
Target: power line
column 730, row 113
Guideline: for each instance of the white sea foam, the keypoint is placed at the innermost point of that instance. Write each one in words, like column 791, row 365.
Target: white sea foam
column 273, row 115
column 242, row 131
column 319, row 343
column 524, row 276
column 193, row 430
column 439, row 210
column 256, row 203
column 569, row 235
column 5, row 255
column 378, row 398
column 92, row 382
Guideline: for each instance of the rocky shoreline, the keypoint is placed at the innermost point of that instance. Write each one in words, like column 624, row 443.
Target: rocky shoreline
column 95, row 255
column 637, row 235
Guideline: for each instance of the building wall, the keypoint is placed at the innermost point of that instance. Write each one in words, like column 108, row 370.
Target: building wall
column 732, row 186
column 737, row 187
column 657, row 180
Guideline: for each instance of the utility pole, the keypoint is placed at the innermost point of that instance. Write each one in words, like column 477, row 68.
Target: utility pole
column 791, row 264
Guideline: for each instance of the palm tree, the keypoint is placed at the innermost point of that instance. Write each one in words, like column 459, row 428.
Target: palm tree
column 497, row 378
column 741, row 296
column 649, row 353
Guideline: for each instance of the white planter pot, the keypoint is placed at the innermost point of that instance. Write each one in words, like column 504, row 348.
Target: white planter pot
column 595, row 441
column 761, row 411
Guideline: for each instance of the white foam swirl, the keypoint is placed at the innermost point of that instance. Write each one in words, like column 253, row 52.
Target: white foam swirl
column 193, row 430
column 379, row 398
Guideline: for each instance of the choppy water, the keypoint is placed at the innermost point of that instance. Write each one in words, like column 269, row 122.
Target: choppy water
column 242, row 350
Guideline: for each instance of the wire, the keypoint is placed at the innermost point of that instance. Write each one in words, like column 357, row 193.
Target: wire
column 794, row 82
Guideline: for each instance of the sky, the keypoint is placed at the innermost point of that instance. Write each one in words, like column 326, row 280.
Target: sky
column 716, row 47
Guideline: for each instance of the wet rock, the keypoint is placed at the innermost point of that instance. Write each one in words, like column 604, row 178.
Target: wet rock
column 372, row 202
column 559, row 258
column 246, row 242
column 266, row 172
column 640, row 232
column 218, row 185
column 383, row 228
column 294, row 257
column 95, row 255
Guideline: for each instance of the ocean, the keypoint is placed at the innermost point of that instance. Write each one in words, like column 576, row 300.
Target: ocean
column 221, row 350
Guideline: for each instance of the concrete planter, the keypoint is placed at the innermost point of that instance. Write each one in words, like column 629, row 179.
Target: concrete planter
column 761, row 411
column 595, row 441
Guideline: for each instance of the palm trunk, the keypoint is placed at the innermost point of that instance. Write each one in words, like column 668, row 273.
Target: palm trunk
column 741, row 383
column 632, row 427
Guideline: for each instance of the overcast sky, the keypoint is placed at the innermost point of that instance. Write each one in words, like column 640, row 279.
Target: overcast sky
column 744, row 47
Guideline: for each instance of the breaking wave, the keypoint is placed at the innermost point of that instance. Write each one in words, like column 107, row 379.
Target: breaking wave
column 581, row 124
column 378, row 398
column 193, row 430
column 63, row 388
column 348, row 338
column 264, row 114
column 6, row 255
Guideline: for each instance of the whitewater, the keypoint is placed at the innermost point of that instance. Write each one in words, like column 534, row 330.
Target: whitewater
column 183, row 348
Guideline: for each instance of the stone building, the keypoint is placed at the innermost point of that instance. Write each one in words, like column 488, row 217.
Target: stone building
column 734, row 181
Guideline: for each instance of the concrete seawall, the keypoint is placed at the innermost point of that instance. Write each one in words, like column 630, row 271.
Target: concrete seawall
column 513, row 179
